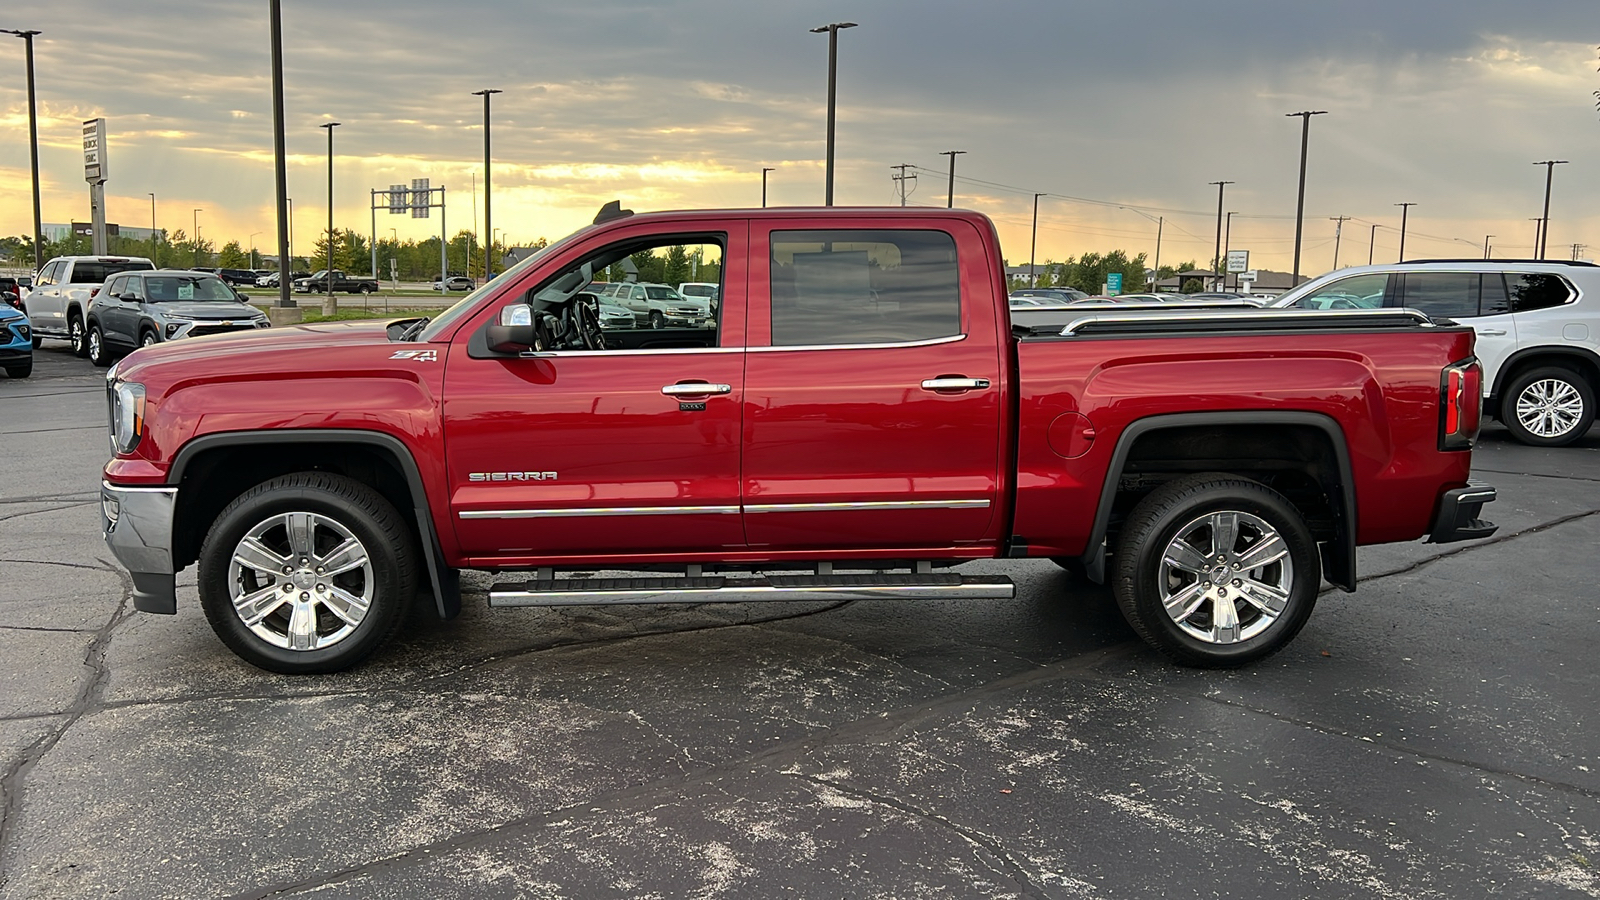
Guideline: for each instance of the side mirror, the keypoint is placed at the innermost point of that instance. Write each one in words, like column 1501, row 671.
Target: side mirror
column 510, row 338
column 129, row 296
column 242, row 297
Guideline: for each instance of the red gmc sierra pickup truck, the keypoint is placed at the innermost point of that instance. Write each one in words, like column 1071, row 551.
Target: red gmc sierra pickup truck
column 859, row 415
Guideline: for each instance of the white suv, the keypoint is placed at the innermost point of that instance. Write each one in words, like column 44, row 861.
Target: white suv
column 1538, row 327
column 59, row 302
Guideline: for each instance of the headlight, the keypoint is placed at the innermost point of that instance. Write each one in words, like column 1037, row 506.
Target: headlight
column 127, row 417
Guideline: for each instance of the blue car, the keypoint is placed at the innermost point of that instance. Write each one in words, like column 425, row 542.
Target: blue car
column 16, row 343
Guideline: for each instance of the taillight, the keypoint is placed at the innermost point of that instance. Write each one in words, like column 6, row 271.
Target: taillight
column 1460, row 404
column 94, row 291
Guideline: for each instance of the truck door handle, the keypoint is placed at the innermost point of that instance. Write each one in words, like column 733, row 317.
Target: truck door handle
column 1496, row 332
column 948, row 383
column 696, row 389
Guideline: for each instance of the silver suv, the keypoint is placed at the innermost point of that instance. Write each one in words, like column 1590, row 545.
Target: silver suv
column 58, row 305
column 1538, row 327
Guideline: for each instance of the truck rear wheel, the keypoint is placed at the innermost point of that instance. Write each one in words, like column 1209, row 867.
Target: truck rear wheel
column 1215, row 570
column 307, row 573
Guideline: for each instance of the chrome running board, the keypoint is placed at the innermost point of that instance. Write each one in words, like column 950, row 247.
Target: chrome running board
column 720, row 589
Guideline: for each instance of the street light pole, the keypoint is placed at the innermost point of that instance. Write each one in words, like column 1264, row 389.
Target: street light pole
column 331, row 305
column 950, row 198
column 155, row 241
column 764, row 171
column 1227, row 244
column 197, row 213
column 1300, row 205
column 287, row 311
column 1404, row 208
column 1372, row 243
column 833, row 72
column 33, row 144
column 488, row 221
column 1549, row 176
column 253, row 248
column 1486, row 245
column 1034, row 244
column 1216, row 254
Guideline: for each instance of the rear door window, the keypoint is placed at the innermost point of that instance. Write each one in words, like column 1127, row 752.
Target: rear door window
column 1530, row 291
column 1444, row 294
column 863, row 287
column 1494, row 302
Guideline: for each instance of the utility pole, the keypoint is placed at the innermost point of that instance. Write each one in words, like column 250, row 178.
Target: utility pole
column 1404, row 208
column 1338, row 229
column 950, row 198
column 832, row 31
column 1300, row 205
column 764, row 171
column 1577, row 251
column 331, row 305
column 488, row 222
column 1486, row 245
column 286, row 311
column 1216, row 259
column 1227, row 244
column 1161, row 222
column 1549, row 176
column 1372, row 243
column 155, row 240
column 902, row 178
column 1538, row 229
column 33, row 147
column 1034, row 243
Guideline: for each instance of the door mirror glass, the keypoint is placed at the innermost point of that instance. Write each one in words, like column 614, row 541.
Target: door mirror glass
column 518, row 314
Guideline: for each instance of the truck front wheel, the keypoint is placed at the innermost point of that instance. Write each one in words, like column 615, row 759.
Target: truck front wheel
column 1215, row 570
column 307, row 573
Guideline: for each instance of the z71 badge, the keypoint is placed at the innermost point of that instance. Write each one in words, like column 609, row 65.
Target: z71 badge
column 417, row 355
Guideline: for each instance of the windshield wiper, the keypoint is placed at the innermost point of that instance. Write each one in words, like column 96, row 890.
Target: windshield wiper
column 415, row 329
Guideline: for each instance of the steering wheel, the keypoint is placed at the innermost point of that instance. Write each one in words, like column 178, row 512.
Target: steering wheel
column 587, row 322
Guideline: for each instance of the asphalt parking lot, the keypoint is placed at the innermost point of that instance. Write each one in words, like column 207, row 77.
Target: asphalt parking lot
column 1436, row 734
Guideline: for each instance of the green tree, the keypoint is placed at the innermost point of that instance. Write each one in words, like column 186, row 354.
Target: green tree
column 232, row 256
column 675, row 268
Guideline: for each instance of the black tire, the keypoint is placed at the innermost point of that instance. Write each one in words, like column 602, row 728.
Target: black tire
column 1548, row 382
column 148, row 338
column 1141, row 570
column 657, row 320
column 97, row 351
column 20, row 370
column 364, row 289
column 77, row 337
column 384, row 539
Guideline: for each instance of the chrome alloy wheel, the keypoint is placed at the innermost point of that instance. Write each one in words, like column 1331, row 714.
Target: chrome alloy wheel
column 1225, row 577
column 1549, row 407
column 301, row 581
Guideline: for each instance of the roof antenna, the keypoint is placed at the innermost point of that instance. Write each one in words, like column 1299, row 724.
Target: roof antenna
column 612, row 210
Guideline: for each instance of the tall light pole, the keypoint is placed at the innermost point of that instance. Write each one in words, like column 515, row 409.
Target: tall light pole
column 330, row 306
column 1549, row 176
column 1372, row 242
column 253, row 248
column 1227, row 243
column 764, row 171
column 286, row 310
column 488, row 220
column 1034, row 244
column 155, row 241
column 1404, row 208
column 1300, row 205
column 197, row 213
column 33, row 145
column 1486, row 245
column 1216, row 255
column 950, row 198
column 833, row 79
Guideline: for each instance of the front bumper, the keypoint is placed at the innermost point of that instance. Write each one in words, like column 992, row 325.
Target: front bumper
column 1457, row 516
column 137, row 524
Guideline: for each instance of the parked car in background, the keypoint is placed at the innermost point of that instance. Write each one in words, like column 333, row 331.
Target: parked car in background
column 456, row 283
column 140, row 309
column 1537, row 324
column 701, row 290
column 614, row 317
column 16, row 342
column 656, row 305
column 246, row 277
column 267, row 279
column 11, row 291
column 57, row 305
column 319, row 281
column 1052, row 295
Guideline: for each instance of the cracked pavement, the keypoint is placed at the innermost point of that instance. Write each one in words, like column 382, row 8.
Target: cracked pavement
column 1433, row 735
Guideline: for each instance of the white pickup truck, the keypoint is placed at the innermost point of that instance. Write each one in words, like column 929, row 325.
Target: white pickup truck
column 59, row 302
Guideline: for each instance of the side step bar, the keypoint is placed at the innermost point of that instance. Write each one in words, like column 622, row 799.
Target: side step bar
column 719, row 589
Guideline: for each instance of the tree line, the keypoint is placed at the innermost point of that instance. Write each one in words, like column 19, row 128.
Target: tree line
column 1088, row 272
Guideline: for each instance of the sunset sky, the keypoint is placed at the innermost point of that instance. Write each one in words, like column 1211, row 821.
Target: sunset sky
column 1122, row 112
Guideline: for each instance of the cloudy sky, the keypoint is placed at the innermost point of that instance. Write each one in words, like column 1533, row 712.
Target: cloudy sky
column 1121, row 112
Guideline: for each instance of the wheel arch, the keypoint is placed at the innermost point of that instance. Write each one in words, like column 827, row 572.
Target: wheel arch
column 228, row 463
column 1585, row 361
column 1190, row 441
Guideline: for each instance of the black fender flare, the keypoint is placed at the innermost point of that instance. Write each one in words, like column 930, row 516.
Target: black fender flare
column 446, row 581
column 1338, row 555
